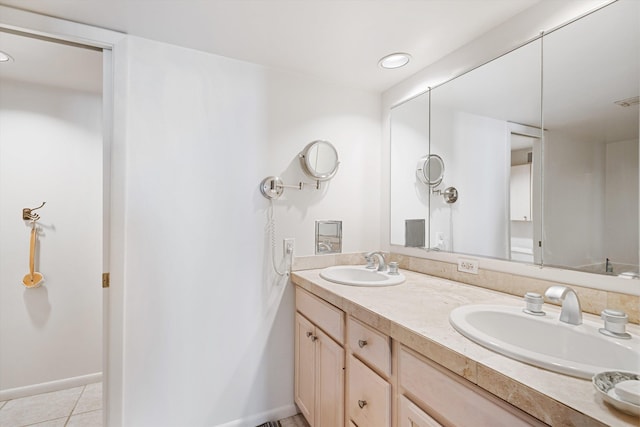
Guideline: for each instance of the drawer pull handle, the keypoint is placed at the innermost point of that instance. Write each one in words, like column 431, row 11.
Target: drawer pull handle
column 314, row 338
column 362, row 403
column 309, row 334
column 362, row 343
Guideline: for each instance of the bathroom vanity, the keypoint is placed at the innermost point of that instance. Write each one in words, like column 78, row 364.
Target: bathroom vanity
column 387, row 356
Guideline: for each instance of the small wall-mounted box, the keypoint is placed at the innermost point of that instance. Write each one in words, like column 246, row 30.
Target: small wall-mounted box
column 328, row 237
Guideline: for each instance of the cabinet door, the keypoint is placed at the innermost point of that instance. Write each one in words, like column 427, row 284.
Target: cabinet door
column 305, row 361
column 330, row 382
column 412, row 416
column 521, row 193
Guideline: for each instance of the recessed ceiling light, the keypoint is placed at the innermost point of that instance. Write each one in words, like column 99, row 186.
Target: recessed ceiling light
column 395, row 60
column 5, row 57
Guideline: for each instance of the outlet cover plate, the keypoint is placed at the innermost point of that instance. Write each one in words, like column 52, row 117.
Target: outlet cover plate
column 288, row 246
column 467, row 265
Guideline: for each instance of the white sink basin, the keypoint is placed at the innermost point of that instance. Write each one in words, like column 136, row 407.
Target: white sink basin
column 359, row 275
column 580, row 351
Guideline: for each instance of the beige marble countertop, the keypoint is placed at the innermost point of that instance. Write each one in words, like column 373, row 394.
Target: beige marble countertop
column 416, row 313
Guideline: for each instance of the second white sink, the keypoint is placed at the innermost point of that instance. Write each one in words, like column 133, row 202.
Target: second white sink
column 359, row 275
column 544, row 341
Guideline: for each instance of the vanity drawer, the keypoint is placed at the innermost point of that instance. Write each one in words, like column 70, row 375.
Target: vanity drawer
column 412, row 416
column 452, row 400
column 370, row 345
column 369, row 401
column 327, row 317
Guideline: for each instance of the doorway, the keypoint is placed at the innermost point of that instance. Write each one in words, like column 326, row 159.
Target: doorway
column 51, row 150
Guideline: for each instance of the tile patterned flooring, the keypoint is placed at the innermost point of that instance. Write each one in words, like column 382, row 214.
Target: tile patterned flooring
column 73, row 407
column 295, row 421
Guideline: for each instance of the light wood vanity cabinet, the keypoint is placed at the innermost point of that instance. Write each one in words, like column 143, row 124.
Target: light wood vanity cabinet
column 410, row 415
column 369, row 368
column 369, row 345
column 407, row 390
column 450, row 399
column 369, row 400
column 319, row 361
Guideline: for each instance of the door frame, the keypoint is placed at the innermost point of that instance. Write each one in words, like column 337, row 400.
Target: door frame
column 113, row 45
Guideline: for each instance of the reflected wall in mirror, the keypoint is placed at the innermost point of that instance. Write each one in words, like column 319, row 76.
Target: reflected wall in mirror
column 474, row 119
column 409, row 198
column 591, row 141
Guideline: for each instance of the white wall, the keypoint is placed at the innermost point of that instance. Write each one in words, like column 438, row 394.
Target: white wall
column 621, row 203
column 208, row 327
column 475, row 151
column 480, row 217
column 574, row 187
column 600, row 185
column 410, row 136
column 50, row 150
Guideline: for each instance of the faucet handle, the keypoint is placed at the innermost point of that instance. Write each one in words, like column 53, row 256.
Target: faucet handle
column 370, row 261
column 393, row 268
column 534, row 303
column 614, row 324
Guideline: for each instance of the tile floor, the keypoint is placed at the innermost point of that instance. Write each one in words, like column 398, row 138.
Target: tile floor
column 295, row 421
column 73, row 407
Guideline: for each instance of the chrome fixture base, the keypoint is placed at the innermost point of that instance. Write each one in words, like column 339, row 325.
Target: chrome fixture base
column 450, row 194
column 622, row 336
column 272, row 187
column 614, row 324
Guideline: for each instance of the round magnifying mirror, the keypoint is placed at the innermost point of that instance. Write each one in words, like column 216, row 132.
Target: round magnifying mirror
column 319, row 160
column 430, row 170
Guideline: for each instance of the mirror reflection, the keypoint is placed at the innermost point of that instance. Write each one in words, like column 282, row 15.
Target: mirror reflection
column 591, row 142
column 430, row 170
column 473, row 120
column 409, row 197
column 567, row 197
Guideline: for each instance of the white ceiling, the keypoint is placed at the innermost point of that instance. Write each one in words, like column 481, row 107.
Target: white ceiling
column 51, row 64
column 334, row 40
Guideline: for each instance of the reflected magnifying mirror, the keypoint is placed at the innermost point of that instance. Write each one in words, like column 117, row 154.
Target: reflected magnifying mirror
column 430, row 170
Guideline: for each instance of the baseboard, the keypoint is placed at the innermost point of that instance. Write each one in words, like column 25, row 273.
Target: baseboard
column 30, row 390
column 257, row 419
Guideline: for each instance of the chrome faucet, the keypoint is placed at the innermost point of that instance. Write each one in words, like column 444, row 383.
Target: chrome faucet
column 370, row 256
column 571, row 312
column 324, row 247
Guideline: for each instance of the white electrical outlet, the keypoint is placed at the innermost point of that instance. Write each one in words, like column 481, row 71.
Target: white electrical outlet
column 288, row 245
column 468, row 265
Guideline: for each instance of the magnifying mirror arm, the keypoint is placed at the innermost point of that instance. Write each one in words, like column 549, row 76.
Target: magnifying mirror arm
column 301, row 185
column 272, row 187
column 298, row 187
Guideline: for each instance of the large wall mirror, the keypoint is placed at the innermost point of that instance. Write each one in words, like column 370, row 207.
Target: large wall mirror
column 591, row 79
column 567, row 197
